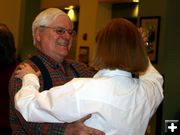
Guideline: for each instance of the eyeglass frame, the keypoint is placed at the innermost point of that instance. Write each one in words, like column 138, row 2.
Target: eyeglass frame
column 60, row 30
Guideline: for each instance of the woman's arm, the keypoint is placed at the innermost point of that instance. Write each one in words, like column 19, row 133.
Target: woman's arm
column 58, row 104
column 21, row 126
column 153, row 80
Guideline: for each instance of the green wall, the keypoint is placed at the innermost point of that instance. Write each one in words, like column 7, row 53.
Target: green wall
column 172, row 61
column 31, row 9
column 169, row 52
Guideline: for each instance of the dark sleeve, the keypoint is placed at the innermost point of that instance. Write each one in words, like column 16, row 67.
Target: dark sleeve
column 83, row 70
column 18, row 123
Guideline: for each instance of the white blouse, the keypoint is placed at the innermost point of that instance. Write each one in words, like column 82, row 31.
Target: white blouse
column 119, row 104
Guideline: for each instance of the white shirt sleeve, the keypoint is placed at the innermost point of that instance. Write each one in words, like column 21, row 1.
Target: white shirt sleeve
column 43, row 106
column 154, row 80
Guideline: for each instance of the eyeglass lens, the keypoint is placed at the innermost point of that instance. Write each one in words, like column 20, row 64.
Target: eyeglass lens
column 60, row 30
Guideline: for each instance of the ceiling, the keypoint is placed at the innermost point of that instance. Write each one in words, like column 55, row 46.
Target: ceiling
column 115, row 1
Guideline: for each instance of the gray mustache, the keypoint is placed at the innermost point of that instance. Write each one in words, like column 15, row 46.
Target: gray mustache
column 63, row 42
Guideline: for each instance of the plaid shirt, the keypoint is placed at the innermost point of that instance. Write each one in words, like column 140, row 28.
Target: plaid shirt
column 59, row 76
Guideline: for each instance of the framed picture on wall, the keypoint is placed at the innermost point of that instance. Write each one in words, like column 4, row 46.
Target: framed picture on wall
column 152, row 26
column 84, row 54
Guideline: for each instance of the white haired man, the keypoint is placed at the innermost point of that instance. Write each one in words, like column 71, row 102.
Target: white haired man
column 52, row 36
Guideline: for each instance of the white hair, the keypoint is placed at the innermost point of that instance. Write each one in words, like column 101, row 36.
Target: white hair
column 45, row 18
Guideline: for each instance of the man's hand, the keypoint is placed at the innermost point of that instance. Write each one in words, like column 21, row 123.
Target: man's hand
column 78, row 128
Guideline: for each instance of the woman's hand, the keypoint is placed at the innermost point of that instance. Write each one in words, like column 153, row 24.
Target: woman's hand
column 24, row 69
column 143, row 34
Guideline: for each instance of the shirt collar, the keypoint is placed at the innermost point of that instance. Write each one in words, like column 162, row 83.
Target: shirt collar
column 48, row 60
column 111, row 73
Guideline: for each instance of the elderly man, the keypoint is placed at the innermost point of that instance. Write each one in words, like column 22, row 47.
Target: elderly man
column 52, row 35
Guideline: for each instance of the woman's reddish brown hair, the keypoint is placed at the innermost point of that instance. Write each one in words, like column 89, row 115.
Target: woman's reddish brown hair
column 120, row 46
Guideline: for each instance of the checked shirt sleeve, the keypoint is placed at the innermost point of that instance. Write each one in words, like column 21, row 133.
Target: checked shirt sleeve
column 22, row 127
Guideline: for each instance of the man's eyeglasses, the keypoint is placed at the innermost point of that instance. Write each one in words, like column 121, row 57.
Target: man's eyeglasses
column 60, row 30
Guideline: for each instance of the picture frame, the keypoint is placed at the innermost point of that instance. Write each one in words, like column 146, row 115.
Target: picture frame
column 151, row 25
column 84, row 54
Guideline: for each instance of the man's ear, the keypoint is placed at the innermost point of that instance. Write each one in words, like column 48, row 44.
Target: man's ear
column 37, row 34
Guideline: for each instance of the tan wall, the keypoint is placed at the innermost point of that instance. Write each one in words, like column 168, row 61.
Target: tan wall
column 87, row 24
column 92, row 16
column 10, row 15
column 58, row 3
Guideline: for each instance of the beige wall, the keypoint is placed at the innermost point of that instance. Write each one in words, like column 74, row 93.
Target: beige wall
column 92, row 16
column 10, row 15
column 58, row 3
column 87, row 24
